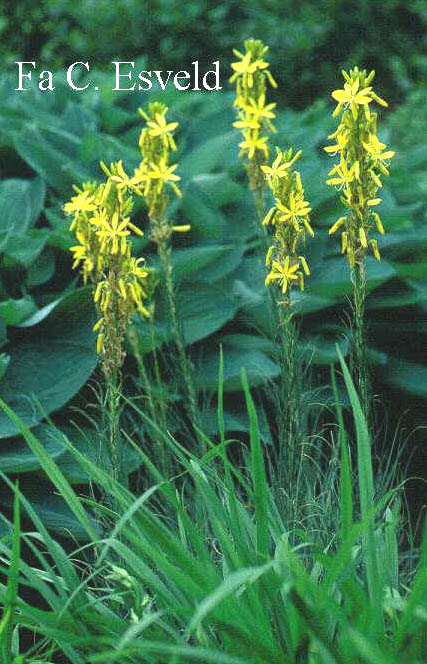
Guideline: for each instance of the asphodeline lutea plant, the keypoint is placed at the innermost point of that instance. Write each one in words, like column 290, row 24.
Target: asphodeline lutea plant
column 103, row 228
column 250, row 75
column 362, row 162
column 290, row 220
column 155, row 180
column 287, row 268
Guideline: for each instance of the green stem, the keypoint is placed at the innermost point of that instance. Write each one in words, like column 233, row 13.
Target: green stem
column 114, row 442
column 186, row 366
column 361, row 367
column 155, row 405
column 259, row 199
column 290, row 424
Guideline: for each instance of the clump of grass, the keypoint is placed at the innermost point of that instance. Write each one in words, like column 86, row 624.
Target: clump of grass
column 212, row 576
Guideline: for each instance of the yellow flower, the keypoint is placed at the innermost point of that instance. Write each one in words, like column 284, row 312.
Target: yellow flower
column 362, row 159
column 376, row 150
column 79, row 252
column 254, row 142
column 164, row 173
column 285, row 274
column 246, row 123
column 340, row 145
column 259, row 109
column 160, row 127
column 343, row 175
column 351, row 96
column 246, row 67
column 279, row 169
column 296, row 209
column 83, row 202
column 112, row 231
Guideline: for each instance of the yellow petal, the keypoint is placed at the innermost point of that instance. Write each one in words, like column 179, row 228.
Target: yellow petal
column 362, row 237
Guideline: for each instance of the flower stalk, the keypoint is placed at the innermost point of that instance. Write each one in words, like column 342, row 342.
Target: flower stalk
column 254, row 115
column 154, row 178
column 362, row 161
column 289, row 218
column 101, row 223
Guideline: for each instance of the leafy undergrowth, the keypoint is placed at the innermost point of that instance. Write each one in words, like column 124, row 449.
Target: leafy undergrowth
column 205, row 567
column 52, row 141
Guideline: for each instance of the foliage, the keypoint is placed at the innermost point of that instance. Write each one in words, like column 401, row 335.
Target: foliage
column 50, row 142
column 388, row 37
column 209, row 570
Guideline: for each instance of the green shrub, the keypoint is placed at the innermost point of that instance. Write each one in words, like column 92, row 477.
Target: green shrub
column 310, row 41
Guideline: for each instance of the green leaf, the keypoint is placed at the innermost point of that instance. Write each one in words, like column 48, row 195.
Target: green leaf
column 4, row 363
column 16, row 457
column 366, row 494
column 21, row 202
column 227, row 589
column 53, row 155
column 202, row 310
column 259, row 479
column 50, row 361
column 408, row 376
column 332, row 278
column 187, row 262
column 257, row 365
column 53, row 510
column 207, row 155
column 42, row 270
column 86, row 441
column 219, row 187
column 55, row 476
column 25, row 249
column 14, row 312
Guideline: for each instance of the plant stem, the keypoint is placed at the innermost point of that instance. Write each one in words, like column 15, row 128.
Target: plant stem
column 289, row 426
column 186, row 366
column 361, row 368
column 155, row 405
column 114, row 443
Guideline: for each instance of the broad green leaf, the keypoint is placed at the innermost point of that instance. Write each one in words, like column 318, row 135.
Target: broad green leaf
column 16, row 456
column 53, row 155
column 258, row 366
column 21, row 202
column 202, row 309
column 51, row 509
column 14, row 312
column 4, row 363
column 42, row 270
column 408, row 376
column 187, row 262
column 25, row 249
column 51, row 361
column 332, row 279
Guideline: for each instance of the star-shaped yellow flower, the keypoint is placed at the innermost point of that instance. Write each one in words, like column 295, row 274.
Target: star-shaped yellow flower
column 259, row 109
column 351, row 97
column 253, row 142
column 279, row 169
column 285, row 274
column 82, row 202
column 112, row 231
column 246, row 67
column 297, row 209
column 160, row 127
column 376, row 149
column 163, row 174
